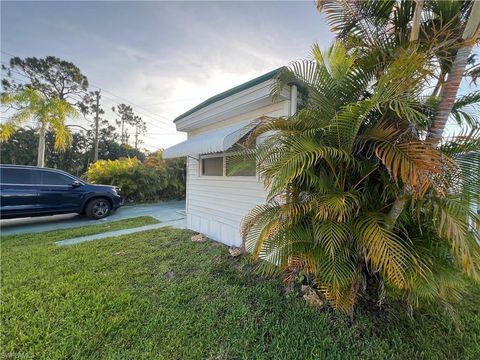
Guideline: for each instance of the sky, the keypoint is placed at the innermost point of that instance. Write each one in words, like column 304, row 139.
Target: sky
column 163, row 58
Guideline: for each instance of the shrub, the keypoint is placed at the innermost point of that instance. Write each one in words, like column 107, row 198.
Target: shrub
column 359, row 203
column 153, row 180
column 175, row 174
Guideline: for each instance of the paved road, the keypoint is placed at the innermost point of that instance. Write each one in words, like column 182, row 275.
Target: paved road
column 165, row 212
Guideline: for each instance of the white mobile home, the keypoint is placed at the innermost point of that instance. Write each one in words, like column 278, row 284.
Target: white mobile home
column 216, row 203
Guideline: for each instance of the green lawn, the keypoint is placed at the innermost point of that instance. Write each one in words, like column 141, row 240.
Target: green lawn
column 48, row 237
column 157, row 295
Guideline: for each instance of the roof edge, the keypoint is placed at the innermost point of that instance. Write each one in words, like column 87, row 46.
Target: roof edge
column 258, row 80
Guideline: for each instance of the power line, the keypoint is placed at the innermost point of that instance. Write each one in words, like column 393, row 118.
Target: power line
column 177, row 133
column 147, row 135
column 161, row 125
column 16, row 79
column 143, row 115
column 138, row 106
column 111, row 93
column 174, row 101
column 116, row 102
column 13, row 70
column 155, row 124
column 6, row 53
column 146, row 121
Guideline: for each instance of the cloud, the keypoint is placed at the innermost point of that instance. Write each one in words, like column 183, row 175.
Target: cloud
column 164, row 57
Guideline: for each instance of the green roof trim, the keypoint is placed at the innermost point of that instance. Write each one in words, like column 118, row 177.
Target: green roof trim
column 258, row 80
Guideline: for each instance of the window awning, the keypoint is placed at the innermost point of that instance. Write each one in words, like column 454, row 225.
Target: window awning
column 214, row 141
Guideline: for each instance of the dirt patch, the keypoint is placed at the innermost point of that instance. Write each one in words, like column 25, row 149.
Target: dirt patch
column 199, row 238
column 170, row 275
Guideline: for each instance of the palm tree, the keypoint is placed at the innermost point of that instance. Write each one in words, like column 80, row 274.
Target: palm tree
column 456, row 73
column 444, row 30
column 50, row 114
column 335, row 168
column 448, row 28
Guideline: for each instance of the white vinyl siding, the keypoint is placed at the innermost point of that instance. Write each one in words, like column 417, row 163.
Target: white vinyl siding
column 216, row 205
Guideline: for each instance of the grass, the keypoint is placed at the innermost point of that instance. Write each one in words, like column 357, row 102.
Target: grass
column 157, row 295
column 70, row 233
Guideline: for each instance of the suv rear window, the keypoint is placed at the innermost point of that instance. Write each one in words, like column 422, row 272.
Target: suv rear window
column 19, row 176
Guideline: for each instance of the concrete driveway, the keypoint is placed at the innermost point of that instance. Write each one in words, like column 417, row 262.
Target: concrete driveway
column 164, row 211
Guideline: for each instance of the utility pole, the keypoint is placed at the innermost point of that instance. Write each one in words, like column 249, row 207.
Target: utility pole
column 123, row 132
column 136, row 137
column 97, row 109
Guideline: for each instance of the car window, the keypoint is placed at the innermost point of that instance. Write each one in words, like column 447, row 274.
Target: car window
column 19, row 176
column 54, row 178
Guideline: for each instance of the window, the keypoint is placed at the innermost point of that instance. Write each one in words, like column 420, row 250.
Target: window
column 232, row 164
column 240, row 166
column 19, row 176
column 212, row 166
column 54, row 178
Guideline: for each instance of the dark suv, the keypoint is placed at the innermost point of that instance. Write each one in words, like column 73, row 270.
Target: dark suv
column 33, row 191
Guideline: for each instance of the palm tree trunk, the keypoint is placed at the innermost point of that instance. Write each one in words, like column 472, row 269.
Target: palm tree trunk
column 417, row 17
column 395, row 211
column 449, row 93
column 41, row 146
column 399, row 203
column 455, row 76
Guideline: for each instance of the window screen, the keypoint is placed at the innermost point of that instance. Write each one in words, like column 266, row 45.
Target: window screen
column 19, row 176
column 212, row 166
column 240, row 166
column 54, row 178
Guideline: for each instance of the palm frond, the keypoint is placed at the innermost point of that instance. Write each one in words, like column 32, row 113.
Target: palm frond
column 6, row 131
column 466, row 110
column 418, row 164
column 337, row 206
column 358, row 146
column 384, row 250
column 459, row 224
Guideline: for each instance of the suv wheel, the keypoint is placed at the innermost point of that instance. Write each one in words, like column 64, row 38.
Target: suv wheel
column 98, row 208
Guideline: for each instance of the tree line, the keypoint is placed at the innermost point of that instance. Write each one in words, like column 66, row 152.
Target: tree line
column 22, row 146
column 39, row 95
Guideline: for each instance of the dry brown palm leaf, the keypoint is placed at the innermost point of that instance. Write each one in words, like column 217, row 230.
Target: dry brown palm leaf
column 418, row 164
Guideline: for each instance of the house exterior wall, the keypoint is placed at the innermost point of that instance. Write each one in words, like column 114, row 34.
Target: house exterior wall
column 216, row 205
